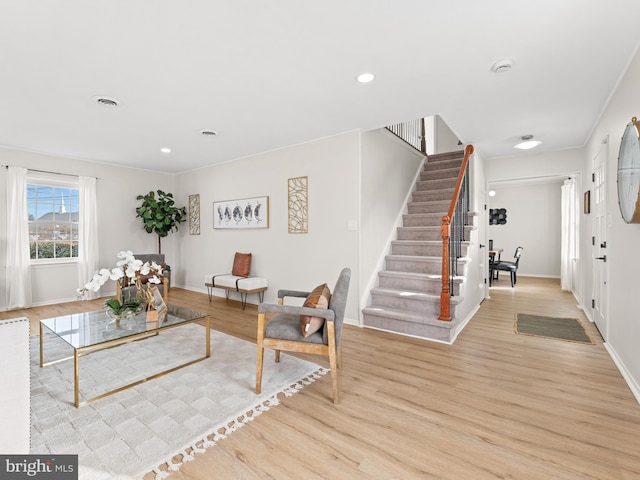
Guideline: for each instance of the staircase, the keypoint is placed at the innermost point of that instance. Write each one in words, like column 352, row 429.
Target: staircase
column 407, row 298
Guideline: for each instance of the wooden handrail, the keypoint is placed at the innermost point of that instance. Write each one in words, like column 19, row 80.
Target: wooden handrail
column 445, row 233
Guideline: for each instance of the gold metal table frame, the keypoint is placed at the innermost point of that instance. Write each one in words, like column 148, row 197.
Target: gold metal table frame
column 174, row 319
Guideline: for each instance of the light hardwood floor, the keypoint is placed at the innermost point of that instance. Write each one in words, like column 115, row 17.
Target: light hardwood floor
column 493, row 405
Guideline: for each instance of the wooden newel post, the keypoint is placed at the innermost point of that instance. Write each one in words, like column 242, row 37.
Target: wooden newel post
column 445, row 295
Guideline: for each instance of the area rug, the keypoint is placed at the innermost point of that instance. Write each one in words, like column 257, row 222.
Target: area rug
column 159, row 424
column 567, row 329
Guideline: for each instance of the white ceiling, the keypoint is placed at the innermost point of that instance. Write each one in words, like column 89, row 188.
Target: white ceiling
column 266, row 74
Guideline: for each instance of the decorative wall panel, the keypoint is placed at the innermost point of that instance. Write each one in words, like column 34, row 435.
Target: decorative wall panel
column 194, row 214
column 298, row 205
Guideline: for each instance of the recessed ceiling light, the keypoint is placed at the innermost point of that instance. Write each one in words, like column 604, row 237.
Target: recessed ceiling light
column 492, row 193
column 527, row 143
column 165, row 150
column 365, row 77
column 503, row 65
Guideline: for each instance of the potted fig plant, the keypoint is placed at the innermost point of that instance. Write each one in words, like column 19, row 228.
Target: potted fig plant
column 159, row 214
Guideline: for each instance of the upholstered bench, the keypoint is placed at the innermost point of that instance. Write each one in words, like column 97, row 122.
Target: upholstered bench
column 235, row 283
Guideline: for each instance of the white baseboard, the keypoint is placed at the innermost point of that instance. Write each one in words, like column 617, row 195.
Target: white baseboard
column 633, row 385
column 465, row 322
column 587, row 313
column 537, row 275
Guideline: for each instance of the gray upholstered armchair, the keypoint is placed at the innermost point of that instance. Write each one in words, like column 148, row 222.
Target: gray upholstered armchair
column 282, row 331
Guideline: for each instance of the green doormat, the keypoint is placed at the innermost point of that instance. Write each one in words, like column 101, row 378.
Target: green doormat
column 568, row 329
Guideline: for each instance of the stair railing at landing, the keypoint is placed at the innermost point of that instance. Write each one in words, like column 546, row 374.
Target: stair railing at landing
column 452, row 232
column 413, row 132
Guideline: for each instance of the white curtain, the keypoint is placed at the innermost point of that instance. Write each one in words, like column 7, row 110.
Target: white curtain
column 568, row 234
column 88, row 251
column 18, row 279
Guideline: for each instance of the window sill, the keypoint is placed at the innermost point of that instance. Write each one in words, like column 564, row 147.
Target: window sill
column 53, row 262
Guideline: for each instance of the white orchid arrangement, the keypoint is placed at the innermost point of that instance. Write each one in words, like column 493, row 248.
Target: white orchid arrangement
column 127, row 267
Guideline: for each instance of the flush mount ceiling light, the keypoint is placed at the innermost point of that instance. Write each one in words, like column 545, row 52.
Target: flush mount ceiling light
column 503, row 65
column 165, row 150
column 365, row 77
column 527, row 143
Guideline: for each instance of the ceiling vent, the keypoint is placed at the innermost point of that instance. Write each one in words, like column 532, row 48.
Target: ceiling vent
column 106, row 102
column 502, row 66
column 208, row 133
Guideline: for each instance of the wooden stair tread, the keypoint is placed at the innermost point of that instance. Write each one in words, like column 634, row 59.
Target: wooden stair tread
column 407, row 316
column 427, row 277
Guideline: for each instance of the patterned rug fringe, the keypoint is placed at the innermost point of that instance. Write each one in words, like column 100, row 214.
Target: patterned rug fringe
column 225, row 429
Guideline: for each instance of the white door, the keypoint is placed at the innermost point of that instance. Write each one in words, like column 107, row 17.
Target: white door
column 599, row 248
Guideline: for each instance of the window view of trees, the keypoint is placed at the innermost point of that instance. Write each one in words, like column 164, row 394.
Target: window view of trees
column 53, row 221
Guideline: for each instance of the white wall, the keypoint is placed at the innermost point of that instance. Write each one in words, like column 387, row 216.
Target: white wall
column 533, row 222
column 623, row 239
column 119, row 229
column 477, row 280
column 289, row 261
column 536, row 166
column 445, row 139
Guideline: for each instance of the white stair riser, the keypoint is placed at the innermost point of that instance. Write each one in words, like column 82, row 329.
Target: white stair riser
column 422, row 220
column 427, row 233
column 449, row 173
column 439, row 184
column 432, row 195
column 441, row 332
column 426, row 250
column 424, row 233
column 399, row 264
column 431, row 166
column 433, row 206
column 443, row 157
column 425, row 220
column 431, row 286
column 428, row 307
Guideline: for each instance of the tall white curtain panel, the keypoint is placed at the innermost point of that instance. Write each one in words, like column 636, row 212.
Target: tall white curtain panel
column 87, row 233
column 568, row 236
column 18, row 280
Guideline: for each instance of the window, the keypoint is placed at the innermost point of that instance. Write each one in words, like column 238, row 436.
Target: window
column 53, row 220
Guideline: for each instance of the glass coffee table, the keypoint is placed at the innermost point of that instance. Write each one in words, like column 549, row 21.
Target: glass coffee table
column 89, row 332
